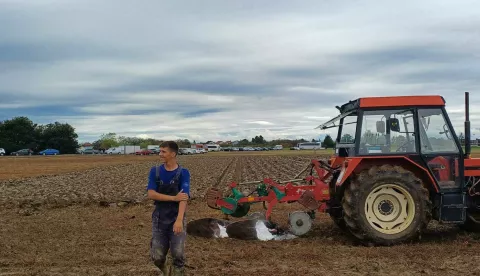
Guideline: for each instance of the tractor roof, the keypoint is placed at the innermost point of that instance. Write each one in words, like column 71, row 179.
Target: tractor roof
column 402, row 101
column 393, row 101
column 383, row 102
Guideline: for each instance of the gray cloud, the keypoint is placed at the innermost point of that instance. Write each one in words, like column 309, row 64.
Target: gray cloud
column 244, row 68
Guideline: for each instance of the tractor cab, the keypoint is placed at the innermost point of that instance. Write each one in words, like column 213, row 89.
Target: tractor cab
column 368, row 126
column 415, row 127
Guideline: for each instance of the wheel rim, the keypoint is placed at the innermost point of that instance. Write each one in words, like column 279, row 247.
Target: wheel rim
column 389, row 209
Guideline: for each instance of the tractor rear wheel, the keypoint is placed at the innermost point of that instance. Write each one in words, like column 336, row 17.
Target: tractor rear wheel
column 386, row 205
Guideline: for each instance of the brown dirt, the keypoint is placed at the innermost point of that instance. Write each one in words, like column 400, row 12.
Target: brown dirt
column 82, row 238
column 29, row 166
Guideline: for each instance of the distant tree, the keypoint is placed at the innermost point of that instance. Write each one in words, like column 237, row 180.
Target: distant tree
column 59, row 136
column 144, row 145
column 347, row 138
column 258, row 140
column 328, row 142
column 183, row 143
column 244, row 142
column 108, row 140
column 18, row 133
column 21, row 132
column 129, row 141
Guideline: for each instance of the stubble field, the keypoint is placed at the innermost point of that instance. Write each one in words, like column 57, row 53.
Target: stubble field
column 87, row 215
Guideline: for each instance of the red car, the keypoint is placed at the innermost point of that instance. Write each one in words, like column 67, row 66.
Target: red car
column 144, row 152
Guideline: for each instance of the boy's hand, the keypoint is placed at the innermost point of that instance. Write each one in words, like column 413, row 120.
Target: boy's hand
column 180, row 196
column 178, row 227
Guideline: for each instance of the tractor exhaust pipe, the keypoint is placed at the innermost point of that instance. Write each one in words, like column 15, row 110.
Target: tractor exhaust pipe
column 467, row 126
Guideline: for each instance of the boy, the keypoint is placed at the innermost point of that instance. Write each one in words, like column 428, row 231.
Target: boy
column 169, row 187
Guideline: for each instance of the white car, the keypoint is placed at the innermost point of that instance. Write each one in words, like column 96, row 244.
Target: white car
column 2, row 152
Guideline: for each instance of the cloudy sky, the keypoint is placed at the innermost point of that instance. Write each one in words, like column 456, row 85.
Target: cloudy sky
column 220, row 70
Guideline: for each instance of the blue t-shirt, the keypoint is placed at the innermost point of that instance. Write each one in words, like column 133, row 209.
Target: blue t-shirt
column 167, row 176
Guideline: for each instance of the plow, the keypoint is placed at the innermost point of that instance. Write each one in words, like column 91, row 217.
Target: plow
column 311, row 192
column 398, row 165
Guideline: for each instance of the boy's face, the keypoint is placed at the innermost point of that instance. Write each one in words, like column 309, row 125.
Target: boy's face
column 166, row 154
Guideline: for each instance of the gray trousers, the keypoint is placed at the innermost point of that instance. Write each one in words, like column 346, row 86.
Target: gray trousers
column 163, row 240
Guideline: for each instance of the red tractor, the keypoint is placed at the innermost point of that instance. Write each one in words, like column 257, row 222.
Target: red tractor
column 398, row 164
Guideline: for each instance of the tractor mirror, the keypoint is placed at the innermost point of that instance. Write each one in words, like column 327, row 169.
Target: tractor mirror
column 394, row 125
column 380, row 126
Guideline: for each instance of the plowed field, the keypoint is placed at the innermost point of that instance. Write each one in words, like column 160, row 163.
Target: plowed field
column 87, row 215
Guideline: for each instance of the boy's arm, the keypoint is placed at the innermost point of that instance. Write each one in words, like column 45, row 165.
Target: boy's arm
column 185, row 186
column 154, row 195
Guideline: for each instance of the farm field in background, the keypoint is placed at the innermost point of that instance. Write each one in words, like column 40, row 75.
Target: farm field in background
column 12, row 167
column 90, row 217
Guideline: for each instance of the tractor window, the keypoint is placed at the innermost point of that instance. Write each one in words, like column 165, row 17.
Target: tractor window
column 435, row 134
column 349, row 128
column 387, row 131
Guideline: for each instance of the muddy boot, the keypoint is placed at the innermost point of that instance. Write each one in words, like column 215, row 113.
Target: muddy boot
column 175, row 271
column 164, row 270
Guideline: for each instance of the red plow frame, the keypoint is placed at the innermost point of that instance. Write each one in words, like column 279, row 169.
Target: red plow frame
column 312, row 193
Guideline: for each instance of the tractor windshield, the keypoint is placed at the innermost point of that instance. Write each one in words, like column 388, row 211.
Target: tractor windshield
column 387, row 131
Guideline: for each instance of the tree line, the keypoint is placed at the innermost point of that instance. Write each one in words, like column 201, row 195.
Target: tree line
column 110, row 140
column 21, row 133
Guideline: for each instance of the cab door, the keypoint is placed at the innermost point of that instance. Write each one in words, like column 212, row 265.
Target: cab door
column 439, row 148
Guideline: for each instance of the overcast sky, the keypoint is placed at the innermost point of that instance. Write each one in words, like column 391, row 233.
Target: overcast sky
column 221, row 70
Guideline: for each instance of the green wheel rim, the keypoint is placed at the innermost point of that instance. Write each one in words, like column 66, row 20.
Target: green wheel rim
column 230, row 201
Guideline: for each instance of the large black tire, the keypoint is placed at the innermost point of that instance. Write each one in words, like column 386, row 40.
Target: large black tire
column 399, row 210
column 335, row 204
column 336, row 212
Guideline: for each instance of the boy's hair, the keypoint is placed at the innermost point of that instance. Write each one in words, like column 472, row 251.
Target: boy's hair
column 171, row 145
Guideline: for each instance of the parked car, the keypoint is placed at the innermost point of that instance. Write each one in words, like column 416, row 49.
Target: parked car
column 144, row 152
column 22, row 152
column 2, row 152
column 49, row 152
column 90, row 151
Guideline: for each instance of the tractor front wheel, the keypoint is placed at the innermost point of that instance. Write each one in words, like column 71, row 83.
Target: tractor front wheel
column 386, row 205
